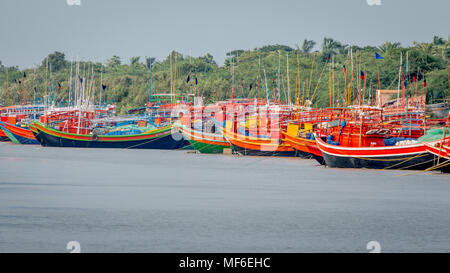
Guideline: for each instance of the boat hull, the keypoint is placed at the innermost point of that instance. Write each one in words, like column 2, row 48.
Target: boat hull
column 161, row 139
column 20, row 135
column 203, row 142
column 241, row 149
column 407, row 157
column 420, row 161
column 253, row 146
column 3, row 136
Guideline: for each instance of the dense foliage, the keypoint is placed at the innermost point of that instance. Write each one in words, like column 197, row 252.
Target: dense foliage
column 127, row 83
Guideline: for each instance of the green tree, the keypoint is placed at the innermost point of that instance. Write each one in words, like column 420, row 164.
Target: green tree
column 331, row 47
column 208, row 58
column 308, row 45
column 438, row 40
column 56, row 60
column 388, row 46
column 270, row 48
column 134, row 60
column 114, row 61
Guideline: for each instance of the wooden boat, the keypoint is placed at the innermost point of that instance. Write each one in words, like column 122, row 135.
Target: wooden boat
column 306, row 146
column 255, row 129
column 410, row 156
column 14, row 114
column 256, row 146
column 197, row 127
column 161, row 138
column 441, row 152
column 207, row 143
column 18, row 134
column 300, row 132
column 3, row 136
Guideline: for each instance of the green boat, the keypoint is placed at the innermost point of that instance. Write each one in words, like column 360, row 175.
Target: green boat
column 207, row 143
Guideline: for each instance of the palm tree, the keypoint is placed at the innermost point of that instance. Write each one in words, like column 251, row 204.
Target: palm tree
column 308, row 45
column 427, row 48
column 388, row 46
column 330, row 46
column 438, row 40
column 134, row 60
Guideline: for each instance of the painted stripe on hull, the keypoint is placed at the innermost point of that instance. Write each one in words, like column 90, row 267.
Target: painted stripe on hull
column 205, row 148
column 23, row 136
column 10, row 135
column 204, row 143
column 103, row 138
column 205, row 138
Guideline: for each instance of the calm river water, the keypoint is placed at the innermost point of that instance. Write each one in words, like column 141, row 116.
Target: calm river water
column 178, row 201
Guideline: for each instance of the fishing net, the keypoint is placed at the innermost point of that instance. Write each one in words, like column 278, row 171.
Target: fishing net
column 431, row 135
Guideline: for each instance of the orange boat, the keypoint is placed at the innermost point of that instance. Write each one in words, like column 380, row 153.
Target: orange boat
column 22, row 134
column 257, row 135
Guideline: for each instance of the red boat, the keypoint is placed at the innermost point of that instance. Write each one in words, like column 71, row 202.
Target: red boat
column 361, row 138
column 441, row 153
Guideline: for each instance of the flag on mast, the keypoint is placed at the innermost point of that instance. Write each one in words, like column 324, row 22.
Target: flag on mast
column 378, row 56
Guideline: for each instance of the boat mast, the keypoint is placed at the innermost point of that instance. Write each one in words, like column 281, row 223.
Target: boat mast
column 265, row 81
column 171, row 79
column 407, row 82
column 399, row 79
column 101, row 84
column 259, row 74
column 34, row 86
column 288, row 85
column 278, row 76
column 7, row 86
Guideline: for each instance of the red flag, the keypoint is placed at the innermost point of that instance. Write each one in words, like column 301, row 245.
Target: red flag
column 414, row 78
column 424, row 83
column 59, row 86
column 362, row 76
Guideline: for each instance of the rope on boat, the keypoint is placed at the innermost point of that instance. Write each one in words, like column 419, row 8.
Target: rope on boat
column 408, row 159
column 443, row 164
column 409, row 166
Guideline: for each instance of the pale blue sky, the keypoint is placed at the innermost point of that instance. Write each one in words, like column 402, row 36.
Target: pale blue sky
column 98, row 29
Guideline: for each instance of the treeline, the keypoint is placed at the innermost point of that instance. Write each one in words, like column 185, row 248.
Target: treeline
column 312, row 74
